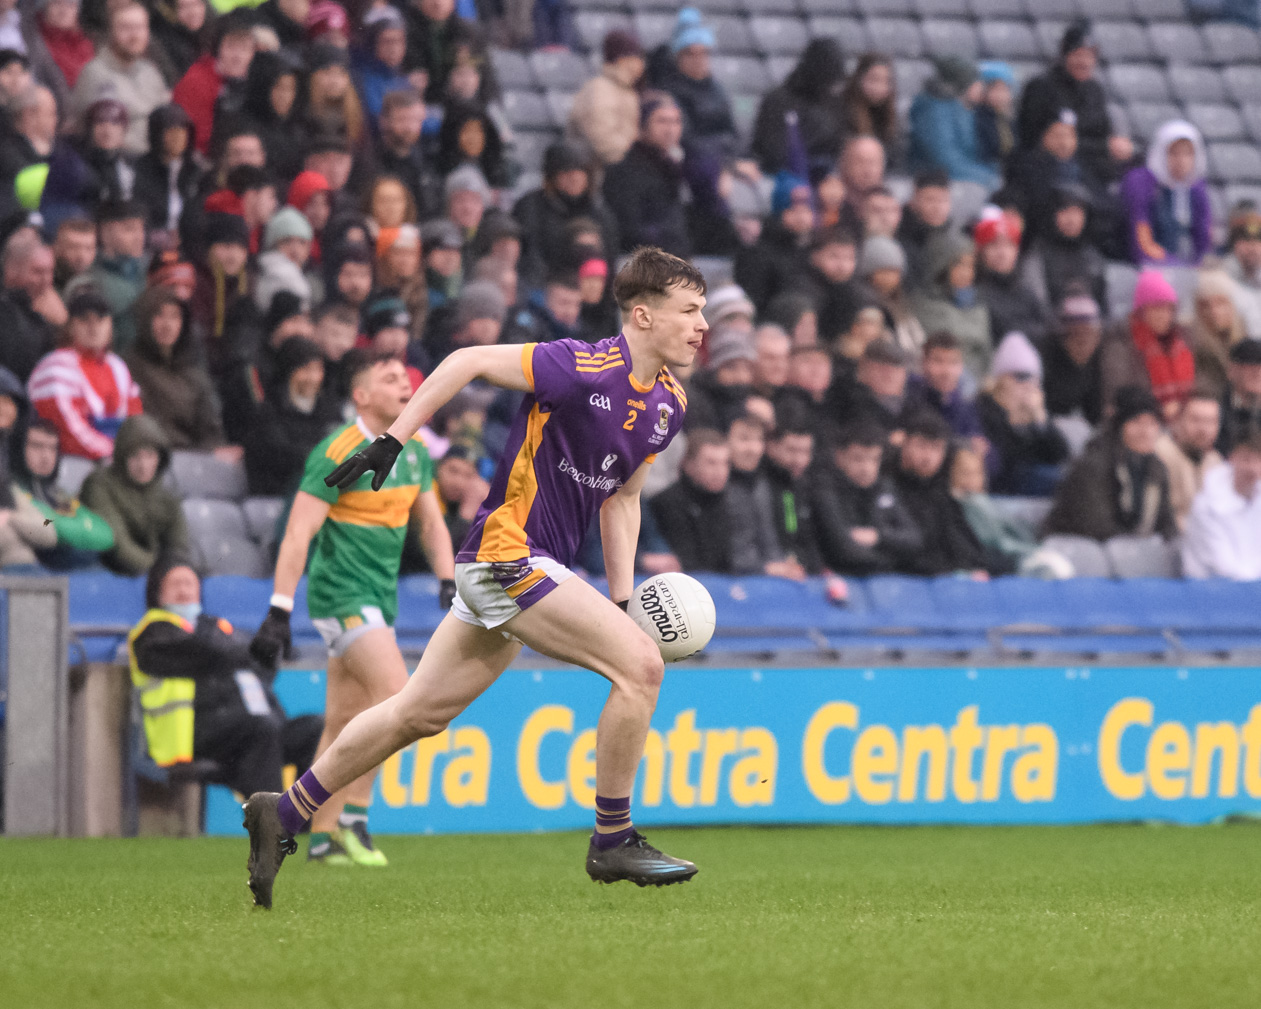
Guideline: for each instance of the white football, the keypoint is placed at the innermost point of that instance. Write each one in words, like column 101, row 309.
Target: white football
column 676, row 611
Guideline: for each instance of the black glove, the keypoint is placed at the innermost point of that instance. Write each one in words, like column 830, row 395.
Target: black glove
column 378, row 457
column 446, row 593
column 273, row 638
column 623, row 604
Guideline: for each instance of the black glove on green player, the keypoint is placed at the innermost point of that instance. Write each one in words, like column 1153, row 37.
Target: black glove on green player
column 378, row 457
column 273, row 638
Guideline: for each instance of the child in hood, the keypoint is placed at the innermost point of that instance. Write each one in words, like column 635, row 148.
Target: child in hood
column 1166, row 201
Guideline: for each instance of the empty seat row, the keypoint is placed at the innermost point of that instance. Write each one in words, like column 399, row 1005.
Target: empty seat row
column 191, row 474
column 1141, row 10
column 228, row 538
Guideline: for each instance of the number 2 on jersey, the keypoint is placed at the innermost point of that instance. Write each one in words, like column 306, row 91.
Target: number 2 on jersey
column 630, row 421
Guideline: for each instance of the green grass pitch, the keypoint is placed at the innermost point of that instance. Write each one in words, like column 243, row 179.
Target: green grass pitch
column 872, row 917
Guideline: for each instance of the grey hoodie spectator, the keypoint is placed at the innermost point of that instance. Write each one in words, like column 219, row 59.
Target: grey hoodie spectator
column 949, row 301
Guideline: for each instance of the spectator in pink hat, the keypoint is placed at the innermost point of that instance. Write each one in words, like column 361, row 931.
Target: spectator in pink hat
column 1149, row 349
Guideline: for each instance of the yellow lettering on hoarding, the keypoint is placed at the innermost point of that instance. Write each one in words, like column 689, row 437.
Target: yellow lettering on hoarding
column 580, row 769
column 654, row 765
column 1221, row 738
column 1168, row 759
column 833, row 715
column 682, row 741
column 719, row 743
column 549, row 718
column 999, row 741
column 752, row 780
column 1034, row 773
column 393, row 791
column 1252, row 753
column 1125, row 713
column 874, row 760
column 466, row 779
column 923, row 741
column 965, row 737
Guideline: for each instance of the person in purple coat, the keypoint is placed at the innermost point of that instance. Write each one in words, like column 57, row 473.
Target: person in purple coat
column 1166, row 200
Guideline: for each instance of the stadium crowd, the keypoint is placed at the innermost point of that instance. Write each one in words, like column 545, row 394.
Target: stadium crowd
column 207, row 217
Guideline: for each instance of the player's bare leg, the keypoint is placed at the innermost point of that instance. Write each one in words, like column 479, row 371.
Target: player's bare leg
column 575, row 623
column 460, row 662
column 371, row 670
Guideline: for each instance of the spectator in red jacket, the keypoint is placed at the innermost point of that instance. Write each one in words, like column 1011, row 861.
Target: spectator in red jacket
column 222, row 69
column 85, row 389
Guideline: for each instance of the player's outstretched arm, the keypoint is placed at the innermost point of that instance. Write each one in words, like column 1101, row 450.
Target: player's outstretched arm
column 619, row 533
column 499, row 365
column 305, row 518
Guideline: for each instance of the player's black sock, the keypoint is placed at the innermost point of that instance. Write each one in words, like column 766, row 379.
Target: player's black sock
column 612, row 821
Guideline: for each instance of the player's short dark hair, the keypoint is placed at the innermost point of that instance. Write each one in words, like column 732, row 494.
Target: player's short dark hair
column 932, row 178
column 942, row 339
column 361, row 360
column 864, row 432
column 649, row 275
column 702, row 437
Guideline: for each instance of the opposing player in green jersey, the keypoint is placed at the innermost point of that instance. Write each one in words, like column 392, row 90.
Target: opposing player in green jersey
column 355, row 540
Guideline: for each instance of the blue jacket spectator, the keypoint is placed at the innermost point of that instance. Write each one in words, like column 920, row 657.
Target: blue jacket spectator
column 378, row 67
column 943, row 125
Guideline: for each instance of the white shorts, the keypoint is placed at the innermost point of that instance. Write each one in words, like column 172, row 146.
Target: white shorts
column 490, row 593
column 339, row 633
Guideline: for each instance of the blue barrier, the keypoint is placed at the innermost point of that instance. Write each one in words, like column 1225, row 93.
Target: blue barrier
column 890, row 745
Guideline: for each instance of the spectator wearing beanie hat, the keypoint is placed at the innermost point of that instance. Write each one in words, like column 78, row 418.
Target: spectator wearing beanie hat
column 1149, row 348
column 378, row 65
column 949, row 300
column 605, row 111
column 645, row 190
column 1000, row 285
column 444, row 272
column 287, row 239
column 718, row 392
column 544, row 214
column 1118, row 487
column 468, row 194
column 1064, row 257
column 388, row 328
column 1217, row 326
column 311, row 194
column 882, row 271
column 1026, row 448
column 119, row 270
column 222, row 279
column 1071, row 361
column 780, row 257
column 709, row 125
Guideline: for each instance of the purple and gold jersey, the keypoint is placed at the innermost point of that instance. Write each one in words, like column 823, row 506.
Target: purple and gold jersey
column 581, row 434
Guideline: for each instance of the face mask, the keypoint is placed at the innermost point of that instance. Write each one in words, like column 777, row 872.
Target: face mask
column 189, row 611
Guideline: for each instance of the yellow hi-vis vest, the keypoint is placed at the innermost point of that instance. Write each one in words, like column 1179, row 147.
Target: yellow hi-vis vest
column 165, row 701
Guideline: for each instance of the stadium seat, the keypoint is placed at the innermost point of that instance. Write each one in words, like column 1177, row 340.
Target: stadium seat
column 708, row 7
column 1032, row 603
column 967, row 199
column 898, row 37
column 741, row 74
column 418, row 609
column 1122, row 41
column 606, row 5
column 903, row 603
column 1134, row 82
column 939, row 8
column 529, row 145
column 593, row 25
column 559, row 69
column 528, row 110
column 951, row 36
column 203, row 475
column 1251, row 116
column 1146, row 117
column 1086, row 555
column 1008, row 40
column 910, row 76
column 812, row 7
column 1049, row 34
column 789, row 8
column 261, row 515
column 744, row 111
column 1120, row 280
column 1177, row 43
column 778, row 36
column 1197, row 84
column 1217, row 122
column 559, row 102
column 1104, row 10
column 1063, row 11
column 885, row 8
column 653, row 28
column 849, row 32
column 1030, row 512
column 1234, row 162
column 1161, row 10
column 1243, row 83
column 221, row 539
column 1229, row 44
column 967, row 605
column 71, row 473
column 1120, row 119
column 1236, row 193
column 985, row 10
column 716, row 270
column 732, row 35
column 1142, row 557
column 103, row 599
column 512, row 69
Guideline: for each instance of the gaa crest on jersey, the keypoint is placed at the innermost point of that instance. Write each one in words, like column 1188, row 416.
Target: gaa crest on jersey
column 664, row 412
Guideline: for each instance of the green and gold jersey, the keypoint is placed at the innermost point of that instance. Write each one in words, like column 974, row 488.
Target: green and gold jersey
column 355, row 556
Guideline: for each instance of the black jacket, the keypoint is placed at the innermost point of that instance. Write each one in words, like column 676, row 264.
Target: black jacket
column 754, row 538
column 545, row 216
column 1040, row 105
column 1108, row 492
column 1069, row 262
column 1071, row 387
column 949, row 544
column 645, row 191
column 708, row 123
column 154, row 183
column 842, row 506
column 812, row 91
column 1012, row 448
column 27, row 336
column 914, row 235
column 1013, row 305
column 836, row 304
column 712, row 405
column 414, row 170
column 696, row 524
column 793, row 510
column 776, row 262
column 849, row 401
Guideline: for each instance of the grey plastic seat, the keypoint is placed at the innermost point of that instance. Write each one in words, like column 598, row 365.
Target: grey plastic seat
column 885, row 8
column 1177, row 43
column 528, row 147
column 202, row 475
column 956, row 38
column 1243, row 83
column 1197, row 84
column 1120, row 280
column 910, row 76
column 653, row 27
column 1052, row 10
column 1008, row 40
column 560, row 69
column 1228, row 43
column 717, row 6
column 1049, row 34
column 985, row 9
column 1161, row 10
column 1235, row 162
column 559, row 103
column 1146, row 117
column 608, row 5
column 1029, row 512
column 72, row 472
column 836, row 7
column 1142, row 557
column 1120, row 119
column 221, row 539
column 939, row 8
column 1137, row 82
column 1086, row 555
column 592, row 26
column 786, row 7
column 732, row 34
column 261, row 515
column 1121, row 41
column 512, row 69
column 1238, row 193
column 851, row 33
column 744, row 112
column 528, row 110
column 741, row 74
column 1251, row 116
column 898, row 37
column 1104, row 10
column 1217, row 122
column 778, row 36
column 779, row 67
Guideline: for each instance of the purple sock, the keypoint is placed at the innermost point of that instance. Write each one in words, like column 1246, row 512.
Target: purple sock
column 299, row 804
column 612, row 820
